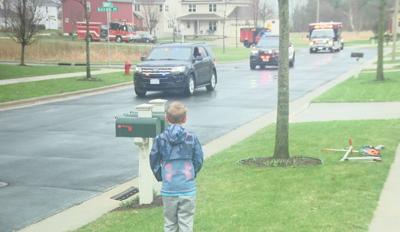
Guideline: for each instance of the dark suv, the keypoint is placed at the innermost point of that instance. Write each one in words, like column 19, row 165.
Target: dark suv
column 176, row 67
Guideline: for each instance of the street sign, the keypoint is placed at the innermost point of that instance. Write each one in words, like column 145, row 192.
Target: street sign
column 108, row 4
column 107, row 9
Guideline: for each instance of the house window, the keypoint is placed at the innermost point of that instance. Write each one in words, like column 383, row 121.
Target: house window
column 166, row 8
column 212, row 7
column 161, row 8
column 88, row 6
column 137, row 7
column 212, row 26
column 192, row 7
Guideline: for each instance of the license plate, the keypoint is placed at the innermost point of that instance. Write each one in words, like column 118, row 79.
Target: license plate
column 265, row 58
column 154, row 81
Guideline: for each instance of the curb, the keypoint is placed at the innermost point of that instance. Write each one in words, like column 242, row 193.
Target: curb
column 90, row 210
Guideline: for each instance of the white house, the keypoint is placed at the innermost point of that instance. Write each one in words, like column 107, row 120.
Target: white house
column 199, row 17
column 48, row 12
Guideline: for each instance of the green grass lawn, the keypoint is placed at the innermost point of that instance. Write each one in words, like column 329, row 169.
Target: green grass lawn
column 357, row 42
column 8, row 71
column 20, row 91
column 365, row 88
column 335, row 196
column 231, row 53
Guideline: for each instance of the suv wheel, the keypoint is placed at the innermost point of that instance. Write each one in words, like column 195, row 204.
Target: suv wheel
column 252, row 66
column 190, row 86
column 213, row 82
column 118, row 39
column 140, row 92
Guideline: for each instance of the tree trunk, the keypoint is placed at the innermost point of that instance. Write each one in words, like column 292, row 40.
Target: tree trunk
column 88, row 74
column 351, row 16
column 379, row 68
column 282, row 120
column 22, row 62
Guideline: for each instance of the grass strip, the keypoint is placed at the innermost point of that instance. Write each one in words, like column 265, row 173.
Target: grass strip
column 15, row 71
column 365, row 88
column 231, row 53
column 27, row 90
column 335, row 196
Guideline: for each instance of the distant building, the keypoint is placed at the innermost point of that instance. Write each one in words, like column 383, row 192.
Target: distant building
column 207, row 17
column 185, row 17
column 48, row 13
column 73, row 12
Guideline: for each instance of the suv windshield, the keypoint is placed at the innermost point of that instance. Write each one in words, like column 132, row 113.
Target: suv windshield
column 170, row 53
column 269, row 42
column 322, row 33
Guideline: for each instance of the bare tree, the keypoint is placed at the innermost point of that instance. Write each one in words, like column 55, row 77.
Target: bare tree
column 282, row 121
column 255, row 10
column 6, row 10
column 266, row 12
column 151, row 14
column 23, row 23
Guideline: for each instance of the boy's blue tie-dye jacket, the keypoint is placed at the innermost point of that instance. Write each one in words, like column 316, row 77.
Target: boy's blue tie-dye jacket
column 175, row 159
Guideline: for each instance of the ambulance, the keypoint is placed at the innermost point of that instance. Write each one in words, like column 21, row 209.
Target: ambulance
column 325, row 37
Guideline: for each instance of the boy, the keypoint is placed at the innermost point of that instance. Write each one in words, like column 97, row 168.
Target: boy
column 175, row 159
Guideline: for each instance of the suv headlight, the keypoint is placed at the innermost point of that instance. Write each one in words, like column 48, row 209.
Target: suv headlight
column 178, row 69
column 138, row 69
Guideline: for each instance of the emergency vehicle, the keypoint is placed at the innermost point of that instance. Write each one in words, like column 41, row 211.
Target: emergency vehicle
column 250, row 36
column 325, row 36
column 118, row 32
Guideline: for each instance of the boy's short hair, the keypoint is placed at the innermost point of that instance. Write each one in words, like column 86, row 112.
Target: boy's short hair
column 176, row 112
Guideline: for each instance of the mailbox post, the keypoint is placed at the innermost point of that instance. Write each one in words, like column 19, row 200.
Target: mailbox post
column 144, row 125
column 144, row 144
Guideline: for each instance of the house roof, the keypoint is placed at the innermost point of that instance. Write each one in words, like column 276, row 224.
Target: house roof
column 200, row 17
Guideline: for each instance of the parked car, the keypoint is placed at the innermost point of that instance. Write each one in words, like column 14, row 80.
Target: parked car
column 175, row 67
column 145, row 38
column 266, row 53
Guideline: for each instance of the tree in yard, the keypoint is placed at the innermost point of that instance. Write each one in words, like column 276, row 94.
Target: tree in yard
column 282, row 121
column 255, row 11
column 23, row 23
column 86, row 15
column 151, row 15
column 381, row 31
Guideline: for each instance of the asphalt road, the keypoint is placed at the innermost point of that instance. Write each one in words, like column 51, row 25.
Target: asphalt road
column 57, row 155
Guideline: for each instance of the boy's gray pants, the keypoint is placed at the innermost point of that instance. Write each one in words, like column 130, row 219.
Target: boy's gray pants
column 179, row 213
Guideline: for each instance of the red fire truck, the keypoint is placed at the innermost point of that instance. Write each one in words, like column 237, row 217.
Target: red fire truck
column 119, row 32
column 250, row 35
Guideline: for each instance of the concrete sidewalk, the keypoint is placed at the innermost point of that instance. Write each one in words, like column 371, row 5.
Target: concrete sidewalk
column 55, row 76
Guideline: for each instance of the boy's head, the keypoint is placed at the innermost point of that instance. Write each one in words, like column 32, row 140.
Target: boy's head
column 176, row 113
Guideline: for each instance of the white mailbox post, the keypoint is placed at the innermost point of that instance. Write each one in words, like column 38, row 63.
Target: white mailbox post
column 145, row 173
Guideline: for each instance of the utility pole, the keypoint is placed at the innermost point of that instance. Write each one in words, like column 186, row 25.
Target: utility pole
column 395, row 24
column 317, row 11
